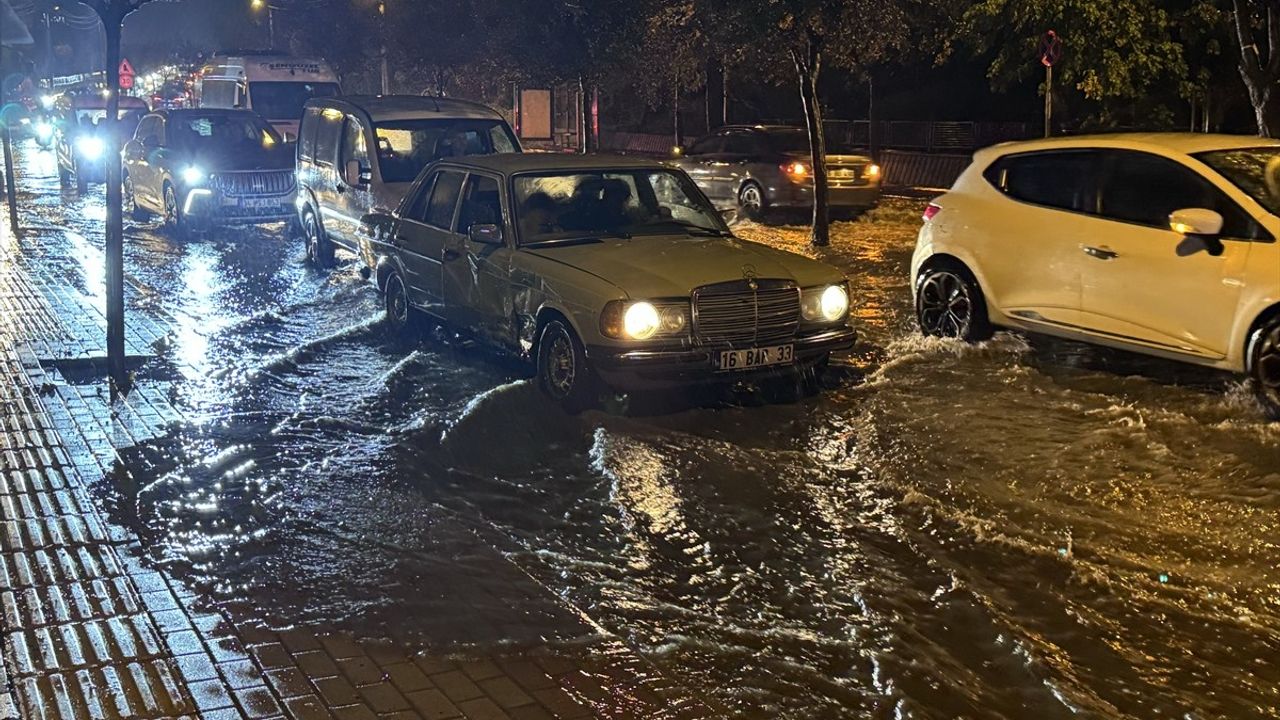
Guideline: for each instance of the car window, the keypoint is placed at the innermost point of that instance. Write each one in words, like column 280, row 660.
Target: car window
column 481, row 203
column 149, row 128
column 307, row 134
column 740, row 144
column 1063, row 180
column 707, row 145
column 417, row 207
column 327, row 136
column 406, row 147
column 1145, row 189
column 353, row 143
column 444, row 198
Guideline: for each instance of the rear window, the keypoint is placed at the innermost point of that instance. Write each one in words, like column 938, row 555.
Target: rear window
column 1062, row 180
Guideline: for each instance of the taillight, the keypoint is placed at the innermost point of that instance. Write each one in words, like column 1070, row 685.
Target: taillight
column 795, row 169
column 932, row 210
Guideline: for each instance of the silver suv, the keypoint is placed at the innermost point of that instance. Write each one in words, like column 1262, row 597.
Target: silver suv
column 359, row 155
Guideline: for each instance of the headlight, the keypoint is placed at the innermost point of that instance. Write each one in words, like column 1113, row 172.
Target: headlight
column 641, row 321
column 193, row 175
column 91, row 148
column 44, row 131
column 824, row 304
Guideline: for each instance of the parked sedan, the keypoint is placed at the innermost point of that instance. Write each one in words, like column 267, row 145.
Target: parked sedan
column 1162, row 244
column 602, row 271
column 201, row 169
column 763, row 167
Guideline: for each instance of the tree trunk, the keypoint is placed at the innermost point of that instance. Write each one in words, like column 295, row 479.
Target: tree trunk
column 115, row 220
column 808, row 67
column 676, row 126
column 1260, row 75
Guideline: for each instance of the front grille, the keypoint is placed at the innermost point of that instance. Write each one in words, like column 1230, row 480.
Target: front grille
column 734, row 314
column 255, row 182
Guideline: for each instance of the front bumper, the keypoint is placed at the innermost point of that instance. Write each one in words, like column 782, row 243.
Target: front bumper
column 793, row 195
column 209, row 207
column 637, row 369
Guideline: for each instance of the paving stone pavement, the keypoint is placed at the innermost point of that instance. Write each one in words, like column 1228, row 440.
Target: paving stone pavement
column 92, row 629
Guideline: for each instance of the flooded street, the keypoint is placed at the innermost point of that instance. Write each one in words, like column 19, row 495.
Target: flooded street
column 1025, row 528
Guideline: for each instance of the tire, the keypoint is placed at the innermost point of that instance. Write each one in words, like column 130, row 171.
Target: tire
column 949, row 303
column 563, row 373
column 174, row 222
column 319, row 246
column 1264, row 365
column 751, row 202
column 399, row 312
column 131, row 202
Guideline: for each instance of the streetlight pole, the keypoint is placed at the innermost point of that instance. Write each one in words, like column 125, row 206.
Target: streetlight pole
column 386, row 71
column 271, row 20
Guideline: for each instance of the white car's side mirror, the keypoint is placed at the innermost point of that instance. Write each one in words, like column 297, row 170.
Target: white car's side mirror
column 1195, row 221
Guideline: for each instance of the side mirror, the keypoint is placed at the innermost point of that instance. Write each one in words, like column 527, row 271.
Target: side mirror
column 356, row 175
column 485, row 234
column 678, row 151
column 1195, row 221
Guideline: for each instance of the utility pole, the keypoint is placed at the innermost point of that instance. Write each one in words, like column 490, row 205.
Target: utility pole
column 382, row 25
column 10, row 187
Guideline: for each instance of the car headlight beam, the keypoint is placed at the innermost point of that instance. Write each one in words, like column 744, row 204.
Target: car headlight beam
column 194, row 175
column 90, row 147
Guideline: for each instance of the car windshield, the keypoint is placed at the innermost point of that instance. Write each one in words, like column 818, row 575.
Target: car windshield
column 1256, row 171
column 405, row 147
column 619, row 203
column 220, row 130
column 797, row 141
column 284, row 100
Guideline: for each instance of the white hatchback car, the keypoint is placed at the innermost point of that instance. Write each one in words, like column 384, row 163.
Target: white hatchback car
column 1163, row 244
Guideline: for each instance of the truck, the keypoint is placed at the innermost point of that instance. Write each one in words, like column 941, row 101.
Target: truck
column 274, row 86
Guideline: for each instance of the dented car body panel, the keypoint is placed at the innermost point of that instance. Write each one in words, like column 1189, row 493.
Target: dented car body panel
column 470, row 253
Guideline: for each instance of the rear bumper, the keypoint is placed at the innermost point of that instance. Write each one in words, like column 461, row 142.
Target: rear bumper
column 791, row 195
column 629, row 369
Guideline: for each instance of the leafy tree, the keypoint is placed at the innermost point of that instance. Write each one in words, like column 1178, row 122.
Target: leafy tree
column 1116, row 51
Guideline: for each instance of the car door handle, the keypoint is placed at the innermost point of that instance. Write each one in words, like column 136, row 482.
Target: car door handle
column 1100, row 253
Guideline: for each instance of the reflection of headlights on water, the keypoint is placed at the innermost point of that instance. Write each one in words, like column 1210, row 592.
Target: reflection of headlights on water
column 194, row 175
column 91, row 148
column 44, row 132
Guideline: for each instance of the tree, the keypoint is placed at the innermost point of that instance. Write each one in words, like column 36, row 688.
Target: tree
column 113, row 13
column 1257, row 31
column 801, row 38
column 1117, row 52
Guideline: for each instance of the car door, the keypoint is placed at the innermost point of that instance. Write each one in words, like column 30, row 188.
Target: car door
column 1137, row 285
column 1027, row 250
column 699, row 160
column 350, row 201
column 325, row 173
column 137, row 162
column 476, row 274
column 740, row 148
column 424, row 230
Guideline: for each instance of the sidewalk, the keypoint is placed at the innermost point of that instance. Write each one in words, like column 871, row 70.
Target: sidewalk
column 93, row 629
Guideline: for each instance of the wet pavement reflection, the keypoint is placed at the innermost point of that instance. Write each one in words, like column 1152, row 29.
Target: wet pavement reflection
column 1024, row 527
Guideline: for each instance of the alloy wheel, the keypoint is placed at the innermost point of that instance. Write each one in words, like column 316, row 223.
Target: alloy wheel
column 561, row 370
column 397, row 303
column 946, row 310
column 752, row 201
column 130, row 202
column 170, row 206
column 1268, row 366
column 311, row 235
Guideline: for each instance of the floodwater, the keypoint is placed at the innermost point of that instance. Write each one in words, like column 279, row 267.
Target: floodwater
column 1025, row 528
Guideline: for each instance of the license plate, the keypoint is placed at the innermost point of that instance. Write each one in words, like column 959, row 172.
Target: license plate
column 259, row 203
column 755, row 358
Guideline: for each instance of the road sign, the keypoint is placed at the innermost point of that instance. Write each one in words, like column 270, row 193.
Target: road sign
column 126, row 75
column 1050, row 51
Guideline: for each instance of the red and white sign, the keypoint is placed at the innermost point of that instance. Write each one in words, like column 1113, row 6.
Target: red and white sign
column 126, row 75
column 1050, row 49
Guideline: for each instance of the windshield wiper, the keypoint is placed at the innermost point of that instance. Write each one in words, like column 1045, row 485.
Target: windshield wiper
column 692, row 229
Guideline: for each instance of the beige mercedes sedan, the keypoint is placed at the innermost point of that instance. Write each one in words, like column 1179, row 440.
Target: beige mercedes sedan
column 603, row 272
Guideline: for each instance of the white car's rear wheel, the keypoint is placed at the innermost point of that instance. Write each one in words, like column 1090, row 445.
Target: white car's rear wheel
column 1266, row 366
column 949, row 303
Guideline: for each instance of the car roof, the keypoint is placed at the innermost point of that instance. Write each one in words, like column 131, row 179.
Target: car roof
column 1172, row 142
column 202, row 111
column 408, row 107
column 764, row 128
column 514, row 163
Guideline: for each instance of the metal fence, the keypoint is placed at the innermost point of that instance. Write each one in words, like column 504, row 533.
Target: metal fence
column 923, row 135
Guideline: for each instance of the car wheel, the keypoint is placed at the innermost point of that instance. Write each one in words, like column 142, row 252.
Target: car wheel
column 131, row 202
column 319, row 247
column 563, row 373
column 949, row 303
column 1265, row 362
column 751, row 202
column 399, row 313
column 173, row 220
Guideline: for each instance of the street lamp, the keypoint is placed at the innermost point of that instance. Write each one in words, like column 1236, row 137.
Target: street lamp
column 258, row 6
